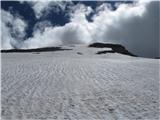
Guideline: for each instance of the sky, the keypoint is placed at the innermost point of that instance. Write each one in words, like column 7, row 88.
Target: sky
column 35, row 24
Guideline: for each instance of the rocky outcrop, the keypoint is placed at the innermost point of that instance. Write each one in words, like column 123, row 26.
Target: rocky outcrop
column 115, row 48
column 47, row 49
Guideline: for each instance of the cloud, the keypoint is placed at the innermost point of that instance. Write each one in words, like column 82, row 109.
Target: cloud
column 60, row 35
column 75, row 32
column 42, row 8
column 40, row 26
column 133, row 25
column 13, row 30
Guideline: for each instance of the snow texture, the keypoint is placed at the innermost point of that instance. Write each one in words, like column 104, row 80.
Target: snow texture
column 79, row 84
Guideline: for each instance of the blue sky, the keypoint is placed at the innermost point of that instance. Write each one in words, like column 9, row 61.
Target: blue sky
column 56, row 18
column 32, row 24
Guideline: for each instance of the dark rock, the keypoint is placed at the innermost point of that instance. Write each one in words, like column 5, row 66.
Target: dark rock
column 115, row 48
column 79, row 53
column 47, row 49
column 105, row 51
column 111, row 110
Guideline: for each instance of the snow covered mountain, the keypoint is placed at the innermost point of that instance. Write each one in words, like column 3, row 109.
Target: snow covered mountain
column 78, row 83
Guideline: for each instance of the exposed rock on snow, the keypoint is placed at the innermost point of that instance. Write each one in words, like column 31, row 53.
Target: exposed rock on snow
column 115, row 47
column 46, row 49
column 105, row 51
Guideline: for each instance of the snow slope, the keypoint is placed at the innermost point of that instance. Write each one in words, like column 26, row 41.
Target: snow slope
column 67, row 85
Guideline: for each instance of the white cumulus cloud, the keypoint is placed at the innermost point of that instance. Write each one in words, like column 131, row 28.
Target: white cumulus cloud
column 42, row 8
column 13, row 30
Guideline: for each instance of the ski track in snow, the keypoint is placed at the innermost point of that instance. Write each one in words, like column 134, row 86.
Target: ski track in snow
column 59, row 86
